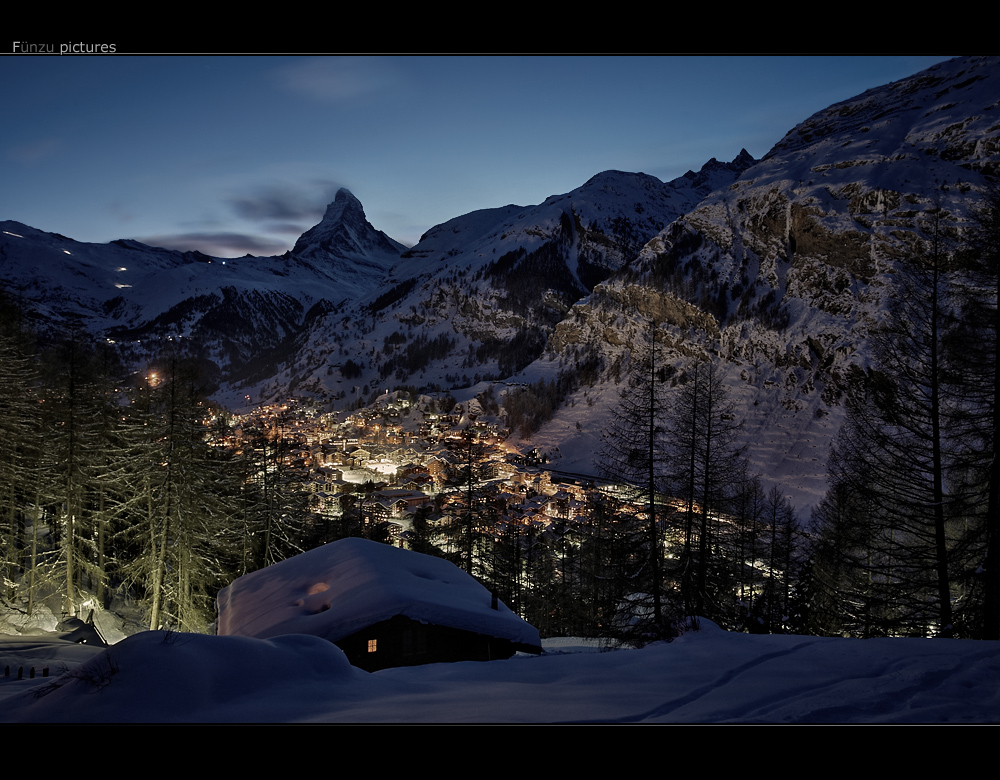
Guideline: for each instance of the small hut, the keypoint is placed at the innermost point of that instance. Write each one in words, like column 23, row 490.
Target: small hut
column 383, row 606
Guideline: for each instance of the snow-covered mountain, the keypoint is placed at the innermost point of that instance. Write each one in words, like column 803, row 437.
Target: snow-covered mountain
column 782, row 272
column 271, row 324
column 776, row 265
column 346, row 245
column 234, row 312
column 479, row 295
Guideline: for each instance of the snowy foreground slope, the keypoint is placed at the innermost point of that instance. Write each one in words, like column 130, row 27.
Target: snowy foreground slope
column 710, row 676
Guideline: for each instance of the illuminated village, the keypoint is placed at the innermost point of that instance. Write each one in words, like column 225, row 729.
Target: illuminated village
column 378, row 467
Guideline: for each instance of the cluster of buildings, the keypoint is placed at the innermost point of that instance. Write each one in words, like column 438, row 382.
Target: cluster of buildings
column 402, row 455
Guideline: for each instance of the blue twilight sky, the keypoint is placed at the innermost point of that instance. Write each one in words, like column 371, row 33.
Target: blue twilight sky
column 237, row 154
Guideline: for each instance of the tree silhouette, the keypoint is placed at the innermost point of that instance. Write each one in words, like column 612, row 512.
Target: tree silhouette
column 707, row 464
column 897, row 458
column 634, row 455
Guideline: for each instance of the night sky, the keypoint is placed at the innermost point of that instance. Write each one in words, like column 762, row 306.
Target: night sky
column 237, row 154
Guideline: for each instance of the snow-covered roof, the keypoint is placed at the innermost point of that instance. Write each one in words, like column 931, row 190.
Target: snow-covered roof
column 345, row 586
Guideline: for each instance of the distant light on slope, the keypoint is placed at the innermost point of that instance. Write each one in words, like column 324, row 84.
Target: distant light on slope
column 119, row 286
column 67, row 251
column 13, row 234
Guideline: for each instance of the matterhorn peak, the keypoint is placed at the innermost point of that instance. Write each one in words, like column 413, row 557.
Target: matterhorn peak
column 344, row 201
column 345, row 232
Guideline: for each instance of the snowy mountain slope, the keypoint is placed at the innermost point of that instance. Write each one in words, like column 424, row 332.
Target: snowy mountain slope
column 231, row 310
column 480, row 294
column 782, row 273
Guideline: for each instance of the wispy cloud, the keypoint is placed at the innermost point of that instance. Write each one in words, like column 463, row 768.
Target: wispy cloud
column 287, row 228
column 333, row 79
column 220, row 244
column 285, row 209
column 284, row 202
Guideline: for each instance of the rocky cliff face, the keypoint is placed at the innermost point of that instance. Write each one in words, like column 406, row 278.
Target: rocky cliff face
column 782, row 273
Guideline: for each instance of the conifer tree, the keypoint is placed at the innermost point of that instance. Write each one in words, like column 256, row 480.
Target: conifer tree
column 896, row 456
column 466, row 532
column 747, row 550
column 707, row 464
column 633, row 455
column 185, row 497
column 20, row 440
column 780, row 519
column 72, row 463
column 607, row 553
column 976, row 350
column 849, row 594
column 275, row 503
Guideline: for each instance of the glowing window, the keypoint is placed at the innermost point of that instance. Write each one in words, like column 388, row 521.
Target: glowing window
column 371, row 645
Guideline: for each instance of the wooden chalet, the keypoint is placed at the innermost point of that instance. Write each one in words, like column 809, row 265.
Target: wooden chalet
column 382, row 605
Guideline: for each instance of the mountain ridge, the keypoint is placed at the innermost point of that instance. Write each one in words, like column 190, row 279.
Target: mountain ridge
column 776, row 267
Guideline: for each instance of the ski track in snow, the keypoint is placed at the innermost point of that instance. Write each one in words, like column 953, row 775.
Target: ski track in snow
column 922, row 685
column 664, row 711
